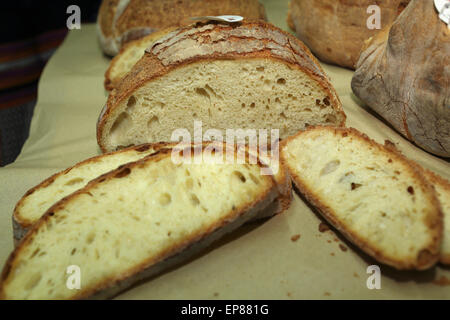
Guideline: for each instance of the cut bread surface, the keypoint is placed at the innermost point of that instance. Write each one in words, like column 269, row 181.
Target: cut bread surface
column 374, row 196
column 442, row 187
column 130, row 220
column 38, row 199
column 250, row 76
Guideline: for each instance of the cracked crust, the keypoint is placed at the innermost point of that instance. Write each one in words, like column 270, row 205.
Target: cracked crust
column 120, row 21
column 402, row 75
column 429, row 255
column 214, row 41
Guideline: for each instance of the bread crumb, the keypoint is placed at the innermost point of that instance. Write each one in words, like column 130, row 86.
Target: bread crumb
column 355, row 275
column 442, row 281
column 289, row 294
column 295, row 237
column 329, row 241
column 342, row 247
column 216, row 294
column 323, row 227
column 327, row 294
column 332, row 254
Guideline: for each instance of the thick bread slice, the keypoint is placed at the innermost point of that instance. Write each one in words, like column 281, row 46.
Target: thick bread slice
column 131, row 221
column 373, row 195
column 213, row 72
column 130, row 53
column 442, row 187
column 38, row 199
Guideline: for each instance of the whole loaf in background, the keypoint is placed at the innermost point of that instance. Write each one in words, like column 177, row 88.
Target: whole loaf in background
column 403, row 74
column 120, row 21
column 335, row 30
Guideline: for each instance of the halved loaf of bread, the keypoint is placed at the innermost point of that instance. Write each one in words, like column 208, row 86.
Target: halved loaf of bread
column 135, row 221
column 376, row 197
column 38, row 199
column 249, row 75
column 130, row 53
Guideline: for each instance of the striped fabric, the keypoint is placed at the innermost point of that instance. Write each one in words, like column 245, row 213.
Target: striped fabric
column 21, row 64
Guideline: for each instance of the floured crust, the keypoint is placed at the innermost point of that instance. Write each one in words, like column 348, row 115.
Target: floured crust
column 121, row 21
column 429, row 255
column 110, row 287
column 215, row 41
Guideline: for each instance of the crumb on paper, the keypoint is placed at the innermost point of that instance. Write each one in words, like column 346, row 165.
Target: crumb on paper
column 216, row 294
column 323, row 227
column 295, row 237
column 327, row 294
column 442, row 281
column 329, row 241
column 342, row 247
column 355, row 275
column 289, row 294
column 332, row 254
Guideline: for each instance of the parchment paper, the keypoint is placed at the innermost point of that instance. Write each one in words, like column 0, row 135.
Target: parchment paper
column 260, row 261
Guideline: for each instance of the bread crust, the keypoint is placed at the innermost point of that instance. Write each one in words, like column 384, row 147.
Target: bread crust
column 247, row 40
column 335, row 30
column 106, row 288
column 402, row 75
column 121, row 21
column 429, row 255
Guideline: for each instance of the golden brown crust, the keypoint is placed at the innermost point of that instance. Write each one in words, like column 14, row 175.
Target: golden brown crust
column 429, row 255
column 203, row 42
column 158, row 156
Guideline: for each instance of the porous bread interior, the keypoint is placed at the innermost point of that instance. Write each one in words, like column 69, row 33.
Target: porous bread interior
column 128, row 221
column 34, row 205
column 223, row 94
column 442, row 188
column 377, row 200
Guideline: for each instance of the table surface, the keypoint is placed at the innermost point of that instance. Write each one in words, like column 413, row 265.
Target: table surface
column 259, row 261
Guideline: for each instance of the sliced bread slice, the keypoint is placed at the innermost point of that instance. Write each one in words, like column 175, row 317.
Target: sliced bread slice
column 38, row 199
column 134, row 222
column 130, row 53
column 442, row 187
column 377, row 198
column 212, row 72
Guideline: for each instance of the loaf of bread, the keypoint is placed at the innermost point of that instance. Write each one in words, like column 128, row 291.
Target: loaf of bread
column 373, row 195
column 335, row 30
column 120, row 21
column 135, row 221
column 403, row 75
column 128, row 56
column 249, row 75
column 38, row 199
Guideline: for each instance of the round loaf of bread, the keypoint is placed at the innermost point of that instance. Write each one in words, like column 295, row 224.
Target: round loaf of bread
column 335, row 30
column 120, row 21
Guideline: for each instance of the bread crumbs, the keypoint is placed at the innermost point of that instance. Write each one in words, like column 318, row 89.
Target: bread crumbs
column 323, row 227
column 295, row 237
